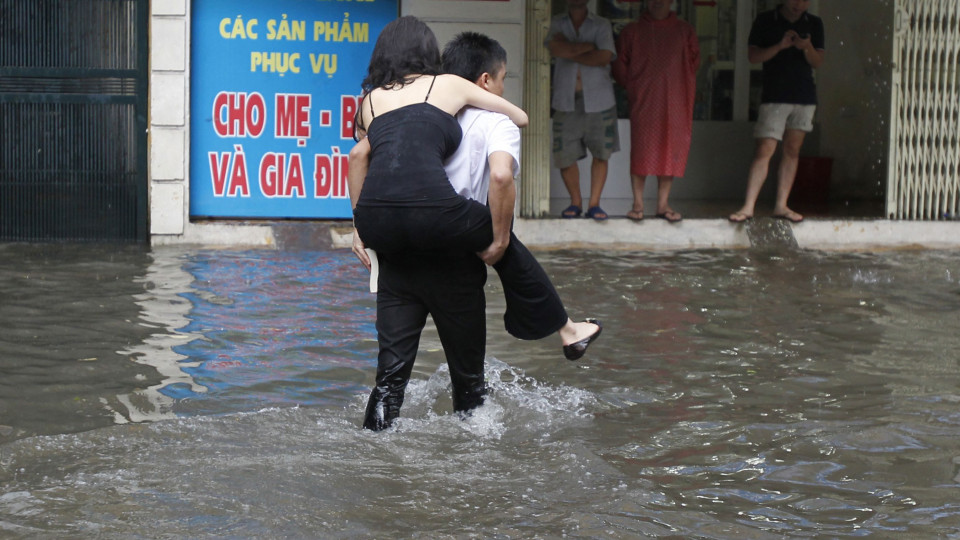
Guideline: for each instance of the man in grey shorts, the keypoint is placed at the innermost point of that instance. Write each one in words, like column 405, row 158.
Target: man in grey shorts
column 789, row 41
column 585, row 109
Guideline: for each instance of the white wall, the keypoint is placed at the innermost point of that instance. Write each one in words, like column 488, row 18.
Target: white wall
column 167, row 140
column 503, row 21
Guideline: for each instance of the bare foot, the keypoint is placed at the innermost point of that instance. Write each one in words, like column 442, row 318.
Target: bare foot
column 670, row 215
column 573, row 332
column 788, row 215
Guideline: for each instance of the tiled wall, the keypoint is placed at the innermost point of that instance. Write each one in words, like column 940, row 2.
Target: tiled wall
column 169, row 47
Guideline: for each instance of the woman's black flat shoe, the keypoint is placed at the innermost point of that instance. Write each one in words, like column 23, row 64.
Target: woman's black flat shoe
column 575, row 351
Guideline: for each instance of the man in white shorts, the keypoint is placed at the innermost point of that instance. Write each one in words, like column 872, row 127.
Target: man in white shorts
column 790, row 44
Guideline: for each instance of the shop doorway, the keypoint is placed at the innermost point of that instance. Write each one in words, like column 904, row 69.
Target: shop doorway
column 73, row 113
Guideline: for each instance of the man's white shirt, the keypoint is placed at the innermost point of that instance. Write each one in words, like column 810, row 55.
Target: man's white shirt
column 484, row 132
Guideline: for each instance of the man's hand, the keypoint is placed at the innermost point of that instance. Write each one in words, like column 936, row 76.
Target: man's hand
column 789, row 39
column 358, row 249
column 802, row 43
column 493, row 253
column 501, row 199
column 757, row 55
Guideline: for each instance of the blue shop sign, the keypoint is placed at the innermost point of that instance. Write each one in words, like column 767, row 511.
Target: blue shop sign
column 274, row 88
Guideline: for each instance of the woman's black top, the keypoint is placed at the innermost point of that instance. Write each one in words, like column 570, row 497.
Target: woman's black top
column 408, row 148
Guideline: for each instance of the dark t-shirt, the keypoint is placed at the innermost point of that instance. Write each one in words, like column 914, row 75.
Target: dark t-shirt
column 787, row 77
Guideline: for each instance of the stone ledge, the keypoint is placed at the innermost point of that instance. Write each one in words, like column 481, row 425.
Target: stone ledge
column 613, row 234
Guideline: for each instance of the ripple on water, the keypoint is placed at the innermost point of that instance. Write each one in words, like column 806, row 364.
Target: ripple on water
column 754, row 394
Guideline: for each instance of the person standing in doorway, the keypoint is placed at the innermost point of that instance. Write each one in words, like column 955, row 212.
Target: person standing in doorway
column 585, row 109
column 789, row 42
column 657, row 61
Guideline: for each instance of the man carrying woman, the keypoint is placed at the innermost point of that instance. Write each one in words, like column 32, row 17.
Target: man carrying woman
column 427, row 236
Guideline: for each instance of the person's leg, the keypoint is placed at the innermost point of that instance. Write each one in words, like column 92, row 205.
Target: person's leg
column 602, row 137
column 771, row 123
column 534, row 309
column 454, row 293
column 759, row 169
column 792, row 142
column 400, row 320
column 377, row 227
column 568, row 149
column 466, row 225
column 664, row 184
column 637, row 182
column 571, row 180
column 598, row 178
column 799, row 122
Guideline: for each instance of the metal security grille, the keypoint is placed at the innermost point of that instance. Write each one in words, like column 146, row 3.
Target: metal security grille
column 924, row 172
column 73, row 120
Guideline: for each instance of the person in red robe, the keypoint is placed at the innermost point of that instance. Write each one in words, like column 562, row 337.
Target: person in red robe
column 657, row 61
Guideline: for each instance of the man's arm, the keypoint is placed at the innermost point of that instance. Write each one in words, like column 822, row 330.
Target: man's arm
column 598, row 57
column 581, row 52
column 501, row 199
column 811, row 54
column 758, row 55
column 359, row 160
column 560, row 47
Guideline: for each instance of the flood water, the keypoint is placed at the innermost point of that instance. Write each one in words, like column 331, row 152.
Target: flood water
column 174, row 393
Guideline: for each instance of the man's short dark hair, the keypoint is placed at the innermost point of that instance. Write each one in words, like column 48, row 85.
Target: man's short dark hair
column 471, row 54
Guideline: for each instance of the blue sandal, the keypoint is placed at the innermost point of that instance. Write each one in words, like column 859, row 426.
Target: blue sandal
column 572, row 211
column 597, row 213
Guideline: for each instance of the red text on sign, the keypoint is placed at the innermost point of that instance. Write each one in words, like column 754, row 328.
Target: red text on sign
column 238, row 114
column 281, row 175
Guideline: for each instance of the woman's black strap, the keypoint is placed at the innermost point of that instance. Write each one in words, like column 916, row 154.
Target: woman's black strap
column 428, row 90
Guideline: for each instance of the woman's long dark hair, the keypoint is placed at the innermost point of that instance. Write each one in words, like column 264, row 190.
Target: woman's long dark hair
column 406, row 47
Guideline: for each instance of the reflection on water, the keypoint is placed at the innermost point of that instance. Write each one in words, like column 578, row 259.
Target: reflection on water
column 68, row 315
column 162, row 307
column 277, row 331
column 734, row 394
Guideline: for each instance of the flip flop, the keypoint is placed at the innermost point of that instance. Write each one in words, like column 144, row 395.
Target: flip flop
column 792, row 217
column 597, row 213
column 666, row 216
column 575, row 351
column 739, row 217
column 635, row 216
column 572, row 211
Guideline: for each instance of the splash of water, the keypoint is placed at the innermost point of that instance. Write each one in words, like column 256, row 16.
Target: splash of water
column 515, row 401
column 771, row 234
